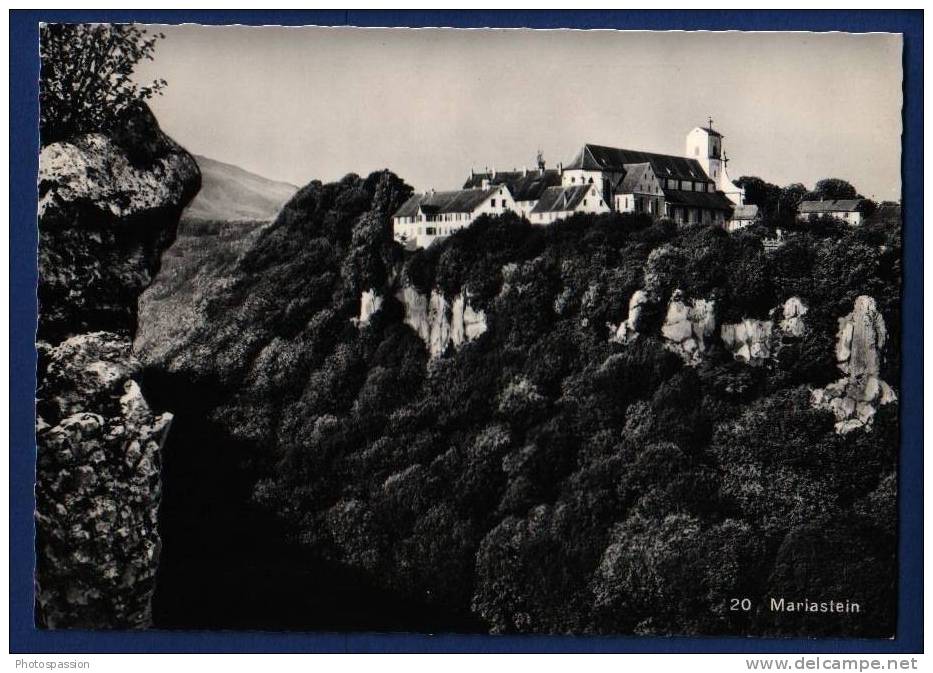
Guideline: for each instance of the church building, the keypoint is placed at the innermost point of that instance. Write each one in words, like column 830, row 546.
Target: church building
column 694, row 188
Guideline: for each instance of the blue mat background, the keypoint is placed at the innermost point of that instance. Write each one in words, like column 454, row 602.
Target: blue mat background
column 24, row 143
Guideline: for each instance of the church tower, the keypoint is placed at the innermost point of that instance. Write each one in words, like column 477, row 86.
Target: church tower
column 705, row 145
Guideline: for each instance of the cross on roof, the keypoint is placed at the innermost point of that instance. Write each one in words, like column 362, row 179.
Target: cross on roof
column 710, row 123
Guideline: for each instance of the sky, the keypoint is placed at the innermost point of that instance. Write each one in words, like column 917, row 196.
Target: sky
column 298, row 104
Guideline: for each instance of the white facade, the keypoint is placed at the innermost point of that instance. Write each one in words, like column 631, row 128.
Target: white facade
column 850, row 217
column 578, row 176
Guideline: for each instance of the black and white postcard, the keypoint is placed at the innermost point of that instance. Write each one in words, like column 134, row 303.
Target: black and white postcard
column 585, row 332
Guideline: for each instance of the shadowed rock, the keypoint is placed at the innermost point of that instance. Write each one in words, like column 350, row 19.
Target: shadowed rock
column 108, row 207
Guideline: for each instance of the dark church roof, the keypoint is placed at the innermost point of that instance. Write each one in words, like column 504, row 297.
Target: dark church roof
column 708, row 200
column 524, row 187
column 558, row 199
column 602, row 158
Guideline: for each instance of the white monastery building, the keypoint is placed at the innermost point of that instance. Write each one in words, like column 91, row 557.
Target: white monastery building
column 686, row 189
column 424, row 218
column 847, row 210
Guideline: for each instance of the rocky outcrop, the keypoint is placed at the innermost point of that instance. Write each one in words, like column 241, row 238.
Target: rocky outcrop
column 756, row 341
column 370, row 303
column 104, row 221
column 627, row 331
column 792, row 322
column 440, row 323
column 748, row 340
column 108, row 207
column 98, row 488
column 855, row 398
column 688, row 326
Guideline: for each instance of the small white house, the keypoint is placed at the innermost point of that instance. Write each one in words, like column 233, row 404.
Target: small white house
column 847, row 210
column 743, row 216
column 425, row 218
column 556, row 203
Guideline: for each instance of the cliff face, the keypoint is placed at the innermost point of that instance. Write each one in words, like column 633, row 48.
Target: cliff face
column 441, row 323
column 688, row 326
column 108, row 208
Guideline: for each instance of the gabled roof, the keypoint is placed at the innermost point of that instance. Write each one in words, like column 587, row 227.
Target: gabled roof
column 410, row 207
column 559, row 199
column 829, row 206
column 746, row 212
column 602, row 158
column 709, row 200
column 523, row 187
column 459, row 201
column 635, row 175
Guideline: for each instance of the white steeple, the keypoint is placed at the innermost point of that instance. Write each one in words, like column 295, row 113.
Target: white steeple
column 704, row 144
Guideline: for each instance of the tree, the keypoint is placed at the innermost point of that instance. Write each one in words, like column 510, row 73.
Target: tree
column 86, row 76
column 789, row 200
column 760, row 193
column 834, row 188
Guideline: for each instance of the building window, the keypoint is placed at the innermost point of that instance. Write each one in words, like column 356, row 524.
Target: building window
column 573, row 180
column 696, row 151
column 600, row 202
column 584, row 202
column 493, row 203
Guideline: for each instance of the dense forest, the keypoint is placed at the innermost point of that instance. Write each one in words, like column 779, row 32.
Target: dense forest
column 543, row 477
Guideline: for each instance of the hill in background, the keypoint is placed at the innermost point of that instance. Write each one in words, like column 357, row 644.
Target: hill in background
column 230, row 193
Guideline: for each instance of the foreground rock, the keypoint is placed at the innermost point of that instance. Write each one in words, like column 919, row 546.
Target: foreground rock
column 99, row 486
column 108, row 207
column 106, row 213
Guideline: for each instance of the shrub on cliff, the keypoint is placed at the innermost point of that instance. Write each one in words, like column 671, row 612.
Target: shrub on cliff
column 86, row 74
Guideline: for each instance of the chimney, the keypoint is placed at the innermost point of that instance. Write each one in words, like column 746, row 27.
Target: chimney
column 560, row 167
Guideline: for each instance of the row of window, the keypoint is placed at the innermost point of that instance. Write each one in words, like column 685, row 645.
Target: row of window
column 690, row 186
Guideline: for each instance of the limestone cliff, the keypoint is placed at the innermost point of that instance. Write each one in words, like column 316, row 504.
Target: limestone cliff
column 688, row 326
column 439, row 322
column 627, row 331
column 108, row 207
column 855, row 398
column 748, row 340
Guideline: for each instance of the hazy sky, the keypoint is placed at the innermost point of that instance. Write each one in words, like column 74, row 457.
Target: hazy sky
column 297, row 104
